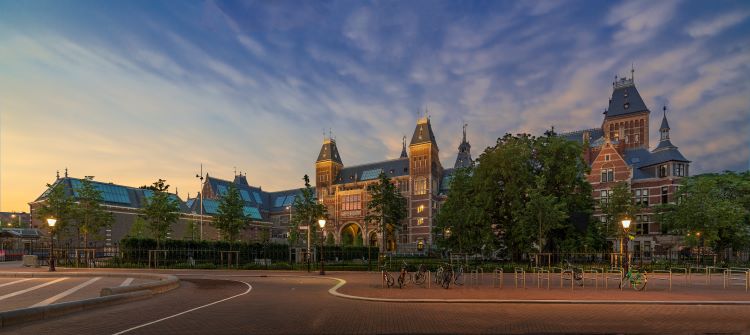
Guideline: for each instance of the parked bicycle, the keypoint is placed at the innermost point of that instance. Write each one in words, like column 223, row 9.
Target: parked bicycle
column 576, row 273
column 404, row 277
column 387, row 277
column 421, row 275
column 635, row 278
column 446, row 276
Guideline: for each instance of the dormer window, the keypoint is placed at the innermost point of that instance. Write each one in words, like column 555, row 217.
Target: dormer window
column 626, row 105
column 625, row 94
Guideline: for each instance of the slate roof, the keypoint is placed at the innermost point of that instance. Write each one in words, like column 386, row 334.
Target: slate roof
column 32, row 233
column 577, row 136
column 423, row 133
column 392, row 168
column 329, row 152
column 625, row 99
column 664, row 123
column 640, row 158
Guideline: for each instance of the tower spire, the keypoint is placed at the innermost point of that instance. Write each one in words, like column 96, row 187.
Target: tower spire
column 403, row 147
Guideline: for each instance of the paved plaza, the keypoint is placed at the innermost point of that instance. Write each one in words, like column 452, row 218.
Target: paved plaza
column 250, row 302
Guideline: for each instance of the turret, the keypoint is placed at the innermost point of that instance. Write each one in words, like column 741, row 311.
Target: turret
column 327, row 167
column 464, row 153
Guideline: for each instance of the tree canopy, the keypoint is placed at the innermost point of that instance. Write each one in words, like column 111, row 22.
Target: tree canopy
column 306, row 211
column 231, row 218
column 160, row 210
column 91, row 216
column 58, row 205
column 386, row 208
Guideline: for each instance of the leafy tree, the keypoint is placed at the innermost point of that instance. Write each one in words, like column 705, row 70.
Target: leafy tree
column 460, row 224
column 161, row 210
column 307, row 211
column 386, row 206
column 714, row 204
column 91, row 216
column 58, row 205
column 330, row 240
column 619, row 206
column 231, row 218
column 139, row 229
column 543, row 211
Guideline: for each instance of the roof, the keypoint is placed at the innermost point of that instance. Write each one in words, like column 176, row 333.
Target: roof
column 577, row 136
column 392, row 168
column 112, row 194
column 423, row 133
column 640, row 158
column 625, row 99
column 20, row 233
column 329, row 152
column 664, row 123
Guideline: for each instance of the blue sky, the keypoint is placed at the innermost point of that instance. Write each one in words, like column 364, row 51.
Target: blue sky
column 134, row 91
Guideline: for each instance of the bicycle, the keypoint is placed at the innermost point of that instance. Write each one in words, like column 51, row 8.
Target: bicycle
column 387, row 277
column 404, row 276
column 576, row 273
column 635, row 278
column 421, row 275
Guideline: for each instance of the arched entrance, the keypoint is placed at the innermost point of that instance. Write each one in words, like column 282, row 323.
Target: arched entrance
column 351, row 235
column 374, row 239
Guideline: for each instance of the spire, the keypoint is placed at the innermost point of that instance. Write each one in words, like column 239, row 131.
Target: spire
column 664, row 123
column 329, row 152
column 66, row 172
column 464, row 152
column 403, row 148
column 423, row 132
column 664, row 142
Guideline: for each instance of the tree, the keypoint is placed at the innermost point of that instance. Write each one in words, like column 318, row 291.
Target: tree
column 330, row 241
column 460, row 224
column 58, row 205
column 543, row 211
column 231, row 218
column 307, row 211
column 160, row 211
column 714, row 204
column 91, row 217
column 619, row 205
column 139, row 228
column 386, row 206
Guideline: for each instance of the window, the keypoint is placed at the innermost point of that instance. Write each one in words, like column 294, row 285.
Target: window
column 641, row 197
column 351, row 202
column 664, row 194
column 604, row 196
column 641, row 224
column 606, row 158
column 420, row 209
column 662, row 171
column 420, row 244
column 420, row 221
column 608, row 175
column 626, row 105
column 625, row 94
column 637, row 138
column 678, row 170
column 420, row 186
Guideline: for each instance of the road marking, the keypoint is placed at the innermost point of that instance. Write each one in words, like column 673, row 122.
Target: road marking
column 66, row 292
column 17, row 281
column 10, row 295
column 127, row 282
column 249, row 287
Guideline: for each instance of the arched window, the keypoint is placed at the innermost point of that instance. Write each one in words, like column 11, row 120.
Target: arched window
column 420, row 186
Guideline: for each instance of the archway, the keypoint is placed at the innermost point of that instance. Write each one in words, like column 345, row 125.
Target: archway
column 351, row 235
column 374, row 239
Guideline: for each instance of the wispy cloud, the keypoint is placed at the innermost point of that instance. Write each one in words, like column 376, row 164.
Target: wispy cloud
column 713, row 26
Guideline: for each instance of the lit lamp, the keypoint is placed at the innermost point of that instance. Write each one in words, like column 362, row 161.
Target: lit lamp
column 626, row 227
column 51, row 222
column 447, row 233
column 322, row 224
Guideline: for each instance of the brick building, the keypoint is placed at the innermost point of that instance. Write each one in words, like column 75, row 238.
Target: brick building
column 619, row 151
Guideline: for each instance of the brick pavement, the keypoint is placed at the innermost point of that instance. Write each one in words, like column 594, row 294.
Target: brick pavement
column 303, row 306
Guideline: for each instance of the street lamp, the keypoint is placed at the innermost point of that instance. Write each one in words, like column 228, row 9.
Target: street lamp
column 626, row 227
column 51, row 222
column 322, row 223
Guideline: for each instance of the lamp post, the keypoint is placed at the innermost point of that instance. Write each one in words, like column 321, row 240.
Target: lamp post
column 322, row 223
column 51, row 222
column 700, row 247
column 626, row 227
column 200, row 176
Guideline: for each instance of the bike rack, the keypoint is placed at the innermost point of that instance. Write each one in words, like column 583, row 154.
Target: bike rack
column 608, row 276
column 700, row 269
column 516, row 271
column 540, row 276
column 562, row 278
column 595, row 272
column 429, row 278
column 497, row 278
column 732, row 274
column 667, row 278
column 477, row 276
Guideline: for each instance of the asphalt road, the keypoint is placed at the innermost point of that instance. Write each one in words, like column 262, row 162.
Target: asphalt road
column 227, row 305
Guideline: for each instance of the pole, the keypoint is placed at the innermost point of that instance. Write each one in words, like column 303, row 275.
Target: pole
column 382, row 225
column 322, row 263
column 52, row 250
column 309, row 255
column 627, row 250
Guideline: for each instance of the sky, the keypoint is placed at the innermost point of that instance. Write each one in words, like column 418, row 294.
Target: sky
column 133, row 91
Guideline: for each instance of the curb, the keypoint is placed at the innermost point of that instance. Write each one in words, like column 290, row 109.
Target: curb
column 108, row 295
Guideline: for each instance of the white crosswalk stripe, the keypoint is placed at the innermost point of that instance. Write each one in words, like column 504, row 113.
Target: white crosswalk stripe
column 15, row 282
column 66, row 292
column 127, row 282
column 10, row 295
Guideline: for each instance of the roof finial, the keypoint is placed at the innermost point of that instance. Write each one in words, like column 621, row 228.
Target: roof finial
column 176, row 192
column 665, row 110
column 632, row 71
column 58, row 174
column 465, row 125
column 66, row 172
column 235, row 171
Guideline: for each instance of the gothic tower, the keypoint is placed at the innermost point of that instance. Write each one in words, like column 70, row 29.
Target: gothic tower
column 425, row 172
column 327, row 167
column 464, row 153
column 626, row 119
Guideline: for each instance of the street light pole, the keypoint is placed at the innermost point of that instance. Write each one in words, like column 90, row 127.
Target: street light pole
column 626, row 227
column 51, row 222
column 322, row 223
column 200, row 176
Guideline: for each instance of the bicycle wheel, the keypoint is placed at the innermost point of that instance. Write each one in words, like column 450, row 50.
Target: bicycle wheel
column 638, row 281
column 439, row 275
column 401, row 281
column 389, row 279
column 459, row 278
column 419, row 278
column 578, row 276
column 447, row 279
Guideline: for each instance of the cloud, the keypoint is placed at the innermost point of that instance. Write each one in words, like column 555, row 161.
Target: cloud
column 639, row 21
column 706, row 28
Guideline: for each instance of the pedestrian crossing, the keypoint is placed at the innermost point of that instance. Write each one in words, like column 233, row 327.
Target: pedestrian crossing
column 17, row 293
